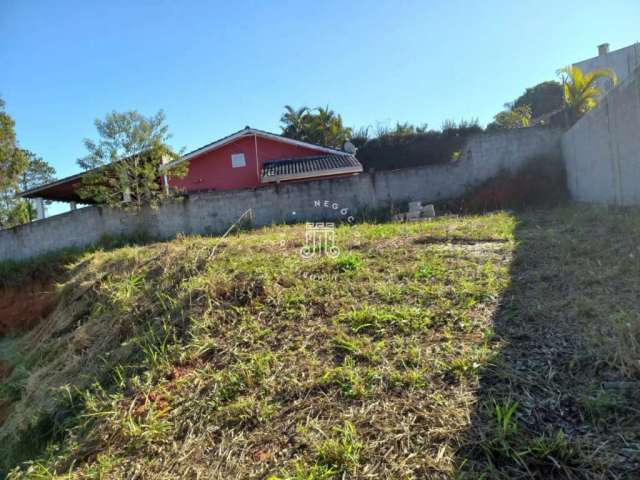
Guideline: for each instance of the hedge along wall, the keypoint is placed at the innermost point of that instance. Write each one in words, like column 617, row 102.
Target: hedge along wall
column 483, row 157
column 389, row 152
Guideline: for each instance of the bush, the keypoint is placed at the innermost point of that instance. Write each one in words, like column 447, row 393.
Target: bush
column 407, row 146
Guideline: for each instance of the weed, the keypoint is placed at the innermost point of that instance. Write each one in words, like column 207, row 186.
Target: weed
column 351, row 380
column 506, row 425
column 601, row 406
column 625, row 342
column 341, row 453
column 553, row 449
column 378, row 320
column 430, row 271
column 501, row 445
column 348, row 263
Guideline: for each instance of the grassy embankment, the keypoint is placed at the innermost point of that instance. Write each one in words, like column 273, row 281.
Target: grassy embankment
column 505, row 345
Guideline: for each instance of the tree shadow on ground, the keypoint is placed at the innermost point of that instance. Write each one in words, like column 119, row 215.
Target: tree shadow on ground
column 561, row 397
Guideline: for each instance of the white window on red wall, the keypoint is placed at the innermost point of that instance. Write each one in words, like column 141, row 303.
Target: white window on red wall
column 238, row 161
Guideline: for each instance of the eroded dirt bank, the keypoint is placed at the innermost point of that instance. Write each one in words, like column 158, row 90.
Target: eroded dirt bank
column 22, row 307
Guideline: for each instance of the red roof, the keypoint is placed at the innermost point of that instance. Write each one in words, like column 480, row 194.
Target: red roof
column 63, row 190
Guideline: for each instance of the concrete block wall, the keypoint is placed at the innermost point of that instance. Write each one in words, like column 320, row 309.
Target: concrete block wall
column 602, row 150
column 213, row 212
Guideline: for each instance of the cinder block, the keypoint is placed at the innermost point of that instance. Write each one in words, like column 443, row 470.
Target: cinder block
column 415, row 206
column 429, row 211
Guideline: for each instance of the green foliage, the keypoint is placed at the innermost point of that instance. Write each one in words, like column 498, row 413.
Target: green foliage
column 12, row 160
column 551, row 447
column 581, row 90
column 505, row 420
column 38, row 172
column 340, row 453
column 601, row 406
column 404, row 130
column 516, row 117
column 336, row 457
column 400, row 146
column 346, row 263
column 502, row 445
column 20, row 170
column 320, row 126
column 126, row 163
column 543, row 98
column 12, row 163
column 378, row 320
column 407, row 145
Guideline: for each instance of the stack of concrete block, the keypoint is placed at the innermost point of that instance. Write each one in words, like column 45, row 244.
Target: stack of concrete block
column 416, row 212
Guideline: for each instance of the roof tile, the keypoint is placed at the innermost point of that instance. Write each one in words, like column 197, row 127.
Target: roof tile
column 305, row 165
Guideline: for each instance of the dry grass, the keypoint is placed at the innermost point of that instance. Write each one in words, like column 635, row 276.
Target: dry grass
column 459, row 348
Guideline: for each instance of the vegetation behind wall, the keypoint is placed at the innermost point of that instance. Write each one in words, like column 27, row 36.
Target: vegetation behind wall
column 410, row 146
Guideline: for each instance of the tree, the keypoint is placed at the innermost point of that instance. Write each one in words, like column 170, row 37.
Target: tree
column 321, row 126
column 516, row 117
column 126, row 161
column 543, row 98
column 581, row 90
column 38, row 172
column 12, row 164
column 15, row 210
column 294, row 121
column 20, row 170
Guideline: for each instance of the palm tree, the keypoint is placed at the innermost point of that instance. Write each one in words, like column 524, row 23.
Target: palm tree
column 581, row 92
column 319, row 125
column 328, row 129
column 295, row 122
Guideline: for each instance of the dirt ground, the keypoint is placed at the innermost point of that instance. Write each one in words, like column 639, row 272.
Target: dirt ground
column 22, row 307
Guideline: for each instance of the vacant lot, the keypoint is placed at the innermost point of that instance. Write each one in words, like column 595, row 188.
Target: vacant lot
column 504, row 346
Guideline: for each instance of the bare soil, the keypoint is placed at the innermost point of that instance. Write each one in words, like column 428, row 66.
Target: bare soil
column 22, row 307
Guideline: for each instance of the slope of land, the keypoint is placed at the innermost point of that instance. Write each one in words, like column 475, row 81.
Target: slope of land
column 504, row 345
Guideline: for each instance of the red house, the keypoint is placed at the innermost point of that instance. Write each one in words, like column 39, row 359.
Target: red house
column 249, row 158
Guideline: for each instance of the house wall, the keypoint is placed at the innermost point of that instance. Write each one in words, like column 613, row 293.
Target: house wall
column 213, row 171
column 622, row 61
column 483, row 157
column 602, row 150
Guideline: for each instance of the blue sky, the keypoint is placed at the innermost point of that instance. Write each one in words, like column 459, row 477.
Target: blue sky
column 215, row 67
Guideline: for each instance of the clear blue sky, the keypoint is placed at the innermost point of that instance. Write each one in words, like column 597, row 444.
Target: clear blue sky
column 215, row 67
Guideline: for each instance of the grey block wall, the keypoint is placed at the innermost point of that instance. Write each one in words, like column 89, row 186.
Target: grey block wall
column 213, row 212
column 602, row 150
